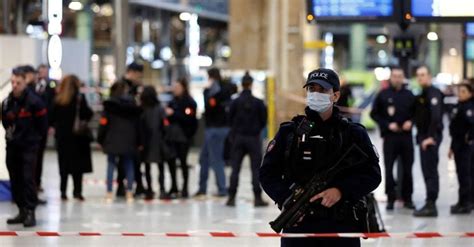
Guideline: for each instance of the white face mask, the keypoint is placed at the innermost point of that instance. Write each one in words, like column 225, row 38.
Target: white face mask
column 319, row 102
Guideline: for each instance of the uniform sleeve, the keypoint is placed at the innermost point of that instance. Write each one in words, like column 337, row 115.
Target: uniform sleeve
column 469, row 116
column 360, row 180
column 232, row 111
column 412, row 106
column 436, row 112
column 377, row 113
column 271, row 172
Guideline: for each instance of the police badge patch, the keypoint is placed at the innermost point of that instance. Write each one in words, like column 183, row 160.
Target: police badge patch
column 434, row 101
column 271, row 145
column 469, row 113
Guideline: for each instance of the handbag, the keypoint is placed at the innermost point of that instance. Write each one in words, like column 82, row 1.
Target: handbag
column 81, row 127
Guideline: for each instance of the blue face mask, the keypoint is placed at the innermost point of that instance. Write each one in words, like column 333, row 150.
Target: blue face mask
column 319, row 102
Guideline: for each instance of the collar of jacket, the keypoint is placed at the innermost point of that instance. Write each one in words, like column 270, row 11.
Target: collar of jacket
column 315, row 117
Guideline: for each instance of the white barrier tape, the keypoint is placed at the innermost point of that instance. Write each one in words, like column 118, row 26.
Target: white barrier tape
column 409, row 235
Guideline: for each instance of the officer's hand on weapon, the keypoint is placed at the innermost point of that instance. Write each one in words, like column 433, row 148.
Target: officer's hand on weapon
column 330, row 197
column 450, row 154
column 394, row 127
column 427, row 142
column 407, row 125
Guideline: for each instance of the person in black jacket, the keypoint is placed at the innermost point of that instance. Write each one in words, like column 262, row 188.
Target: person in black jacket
column 154, row 148
column 24, row 120
column 74, row 153
column 118, row 135
column 248, row 117
column 461, row 129
column 45, row 88
column 393, row 110
column 216, row 100
column 181, row 113
column 133, row 78
column 429, row 124
column 290, row 161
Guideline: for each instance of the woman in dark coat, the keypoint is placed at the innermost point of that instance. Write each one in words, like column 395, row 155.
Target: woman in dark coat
column 74, row 153
column 153, row 122
column 181, row 113
column 118, row 135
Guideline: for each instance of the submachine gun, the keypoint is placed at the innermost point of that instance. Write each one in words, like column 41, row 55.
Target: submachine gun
column 298, row 204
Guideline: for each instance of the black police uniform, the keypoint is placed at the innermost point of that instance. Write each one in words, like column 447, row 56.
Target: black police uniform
column 327, row 141
column 248, row 117
column 45, row 89
column 24, row 120
column 461, row 129
column 429, row 123
column 396, row 106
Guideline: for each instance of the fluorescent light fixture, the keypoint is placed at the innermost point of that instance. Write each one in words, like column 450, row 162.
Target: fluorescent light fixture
column 75, row 5
column 381, row 39
column 432, row 36
column 55, row 52
column 185, row 16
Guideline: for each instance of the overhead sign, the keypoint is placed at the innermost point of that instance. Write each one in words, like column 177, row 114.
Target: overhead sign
column 442, row 9
column 334, row 10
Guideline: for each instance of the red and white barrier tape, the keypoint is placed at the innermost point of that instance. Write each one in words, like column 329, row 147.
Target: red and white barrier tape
column 239, row 235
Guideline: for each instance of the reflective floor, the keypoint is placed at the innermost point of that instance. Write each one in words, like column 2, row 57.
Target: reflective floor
column 96, row 215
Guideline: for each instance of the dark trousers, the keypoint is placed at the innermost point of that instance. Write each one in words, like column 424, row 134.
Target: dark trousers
column 21, row 164
column 182, row 150
column 462, row 158
column 121, row 175
column 39, row 160
column 241, row 146
column 398, row 147
column 161, row 176
column 429, row 168
column 77, row 180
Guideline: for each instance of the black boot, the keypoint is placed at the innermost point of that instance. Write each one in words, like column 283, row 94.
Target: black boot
column 230, row 201
column 429, row 210
column 259, row 202
column 30, row 219
column 408, row 205
column 461, row 208
column 17, row 219
column 390, row 205
column 120, row 190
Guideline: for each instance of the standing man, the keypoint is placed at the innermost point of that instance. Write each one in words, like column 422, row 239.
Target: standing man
column 216, row 99
column 293, row 158
column 248, row 117
column 393, row 110
column 133, row 77
column 429, row 123
column 45, row 88
column 24, row 119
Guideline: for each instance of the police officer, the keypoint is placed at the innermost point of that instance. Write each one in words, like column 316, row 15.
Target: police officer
column 429, row 124
column 248, row 117
column 329, row 138
column 45, row 88
column 24, row 120
column 393, row 110
column 461, row 129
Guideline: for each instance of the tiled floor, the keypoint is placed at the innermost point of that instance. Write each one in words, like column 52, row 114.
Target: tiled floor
column 210, row 215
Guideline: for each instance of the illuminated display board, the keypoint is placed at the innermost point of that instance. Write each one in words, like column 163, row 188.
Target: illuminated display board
column 442, row 9
column 333, row 10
